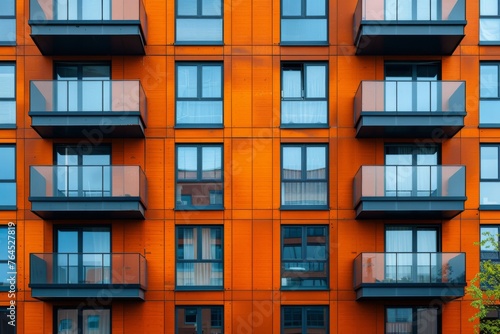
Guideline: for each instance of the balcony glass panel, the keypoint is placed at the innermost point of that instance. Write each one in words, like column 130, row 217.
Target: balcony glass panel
column 414, row 268
column 414, row 10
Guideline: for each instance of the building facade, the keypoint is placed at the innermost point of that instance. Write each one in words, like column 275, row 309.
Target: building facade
column 264, row 166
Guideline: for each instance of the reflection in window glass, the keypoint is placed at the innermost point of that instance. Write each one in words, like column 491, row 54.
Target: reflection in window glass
column 8, row 177
column 304, row 22
column 198, row 22
column 490, row 175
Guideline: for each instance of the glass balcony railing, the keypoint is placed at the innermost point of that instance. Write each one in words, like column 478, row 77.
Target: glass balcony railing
column 394, row 182
column 90, row 182
column 381, row 269
column 88, row 268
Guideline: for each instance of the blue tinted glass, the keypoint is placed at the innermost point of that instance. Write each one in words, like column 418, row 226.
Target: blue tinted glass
column 199, row 30
column 7, row 167
column 489, row 112
column 8, row 30
column 489, row 81
column 316, row 81
column 211, row 7
column 187, row 7
column 8, row 191
column 292, row 7
column 3, row 243
column 187, row 81
column 303, row 30
column 7, row 80
column 315, row 8
column 7, row 7
column 212, row 81
column 7, row 112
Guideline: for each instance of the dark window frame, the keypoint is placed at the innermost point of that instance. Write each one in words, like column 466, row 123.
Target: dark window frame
column 488, row 16
column 5, row 180
column 218, row 182
column 199, row 91
column 199, row 309
column 200, row 16
column 79, row 310
column 303, row 15
column 482, row 180
column 485, row 99
column 304, row 321
column 10, row 17
column 414, row 309
column 304, row 235
column 302, row 67
column 198, row 229
column 11, row 99
column 303, row 178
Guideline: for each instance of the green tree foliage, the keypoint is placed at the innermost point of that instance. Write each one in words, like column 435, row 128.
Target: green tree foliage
column 485, row 287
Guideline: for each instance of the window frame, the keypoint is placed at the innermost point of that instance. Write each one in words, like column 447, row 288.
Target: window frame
column 199, row 310
column 11, row 99
column 8, row 18
column 488, row 17
column 303, row 16
column 199, row 256
column 199, row 180
column 80, row 309
column 303, row 178
column 9, row 254
column 496, row 253
column 302, row 67
column 200, row 16
column 304, row 312
column 199, row 92
column 10, row 181
column 484, row 123
column 494, row 206
column 414, row 310
column 304, row 258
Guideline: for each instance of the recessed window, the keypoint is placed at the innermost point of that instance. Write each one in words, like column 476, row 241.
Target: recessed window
column 304, row 22
column 304, row 257
column 198, row 22
column 82, row 320
column 199, row 257
column 489, row 93
column 304, row 176
column 199, row 319
column 304, row 319
column 7, row 22
column 7, row 91
column 490, row 177
column 8, row 177
column 199, row 95
column 412, row 320
column 304, row 101
column 199, row 177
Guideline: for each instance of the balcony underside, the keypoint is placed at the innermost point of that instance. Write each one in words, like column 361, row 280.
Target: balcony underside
column 440, row 291
column 83, row 291
column 83, row 38
column 409, row 208
column 411, row 125
column 88, row 209
column 74, row 125
column 408, row 38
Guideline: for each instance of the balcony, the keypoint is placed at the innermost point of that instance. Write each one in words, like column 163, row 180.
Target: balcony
column 56, row 276
column 409, row 275
column 88, row 192
column 409, row 109
column 88, row 27
column 409, row 192
column 408, row 27
column 88, row 109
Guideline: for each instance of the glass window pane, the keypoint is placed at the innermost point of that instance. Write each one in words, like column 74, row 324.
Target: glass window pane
column 67, row 321
column 8, row 165
column 187, row 81
column 212, row 81
column 198, row 30
column 7, row 112
column 199, row 112
column 292, row 163
column 96, row 321
column 304, row 30
column 4, row 256
column 96, row 72
column 489, row 194
column 7, row 7
column 489, row 112
column 315, row 7
column 292, row 83
column 187, row 162
column 489, row 30
column 292, row 7
column 8, row 191
column 316, row 162
column 211, row 7
column 315, row 81
column 488, row 7
column 493, row 231
column 187, row 7
column 212, row 159
column 7, row 81
column 489, row 162
column 489, row 81
column 7, row 30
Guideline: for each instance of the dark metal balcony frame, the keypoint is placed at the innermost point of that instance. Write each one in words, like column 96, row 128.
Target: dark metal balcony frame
column 435, row 124
column 88, row 37
column 393, row 289
column 408, row 37
column 57, row 291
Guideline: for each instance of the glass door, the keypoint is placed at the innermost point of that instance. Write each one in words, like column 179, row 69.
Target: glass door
column 83, row 10
column 412, row 10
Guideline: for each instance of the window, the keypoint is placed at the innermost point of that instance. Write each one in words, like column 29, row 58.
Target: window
column 199, row 95
column 198, row 22
column 489, row 22
column 199, row 319
column 82, row 172
column 304, row 176
column 411, row 170
column 5, row 328
column 304, row 22
column 199, row 257
column 488, row 251
column 83, row 320
column 7, row 249
column 304, row 257
column 412, row 320
column 83, row 255
column 492, row 318
column 7, row 91
column 199, row 177
column 304, row 319
column 490, row 177
column 8, row 177
column 489, row 94
column 7, row 23
column 304, row 101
